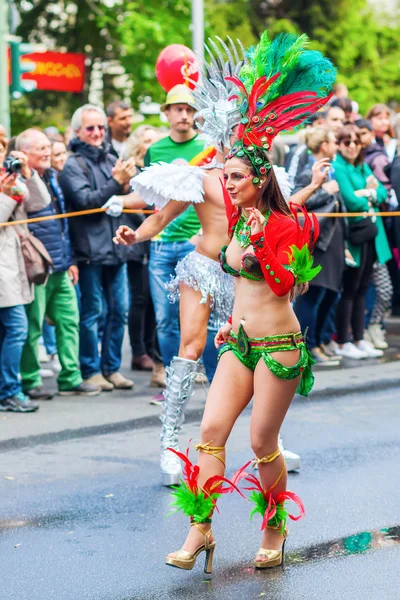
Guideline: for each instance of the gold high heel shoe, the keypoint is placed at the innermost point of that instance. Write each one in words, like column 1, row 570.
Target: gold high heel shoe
column 275, row 558
column 186, row 560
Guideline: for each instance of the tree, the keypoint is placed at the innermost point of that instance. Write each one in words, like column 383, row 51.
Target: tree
column 147, row 27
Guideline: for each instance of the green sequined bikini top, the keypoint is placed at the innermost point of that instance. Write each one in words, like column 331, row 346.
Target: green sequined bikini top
column 250, row 267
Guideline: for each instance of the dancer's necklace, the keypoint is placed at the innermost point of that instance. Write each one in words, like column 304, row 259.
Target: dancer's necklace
column 243, row 230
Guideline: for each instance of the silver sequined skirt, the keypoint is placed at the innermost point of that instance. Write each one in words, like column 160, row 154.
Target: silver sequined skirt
column 205, row 275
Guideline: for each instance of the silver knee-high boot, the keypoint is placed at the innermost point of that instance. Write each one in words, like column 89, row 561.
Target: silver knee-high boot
column 179, row 387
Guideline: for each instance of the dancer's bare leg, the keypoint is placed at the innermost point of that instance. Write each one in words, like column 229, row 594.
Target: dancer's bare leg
column 272, row 398
column 194, row 319
column 230, row 392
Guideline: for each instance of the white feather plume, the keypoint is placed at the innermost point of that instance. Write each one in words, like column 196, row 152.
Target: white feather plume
column 282, row 178
column 163, row 182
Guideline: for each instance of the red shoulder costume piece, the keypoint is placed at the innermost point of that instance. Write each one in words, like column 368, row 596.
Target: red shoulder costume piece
column 283, row 248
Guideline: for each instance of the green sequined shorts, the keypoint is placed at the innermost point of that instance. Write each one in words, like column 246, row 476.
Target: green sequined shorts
column 250, row 350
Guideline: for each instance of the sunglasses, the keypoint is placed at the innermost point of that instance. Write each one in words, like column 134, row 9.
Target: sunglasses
column 348, row 142
column 91, row 128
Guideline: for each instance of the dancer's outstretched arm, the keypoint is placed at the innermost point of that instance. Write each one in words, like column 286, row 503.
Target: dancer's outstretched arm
column 152, row 226
column 133, row 200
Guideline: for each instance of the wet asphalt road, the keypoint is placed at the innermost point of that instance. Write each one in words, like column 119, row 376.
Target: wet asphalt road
column 85, row 518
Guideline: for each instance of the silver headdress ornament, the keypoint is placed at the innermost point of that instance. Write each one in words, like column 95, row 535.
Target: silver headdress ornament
column 216, row 114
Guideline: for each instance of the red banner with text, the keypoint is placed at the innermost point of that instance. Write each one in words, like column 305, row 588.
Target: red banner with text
column 57, row 71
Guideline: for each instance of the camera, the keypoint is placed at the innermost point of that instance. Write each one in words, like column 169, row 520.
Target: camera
column 12, row 165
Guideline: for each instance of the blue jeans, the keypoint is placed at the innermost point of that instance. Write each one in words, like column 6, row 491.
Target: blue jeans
column 312, row 310
column 370, row 300
column 329, row 326
column 97, row 283
column 210, row 355
column 13, row 334
column 49, row 338
column 164, row 256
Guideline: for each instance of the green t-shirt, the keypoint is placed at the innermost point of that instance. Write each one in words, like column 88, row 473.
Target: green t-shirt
column 187, row 224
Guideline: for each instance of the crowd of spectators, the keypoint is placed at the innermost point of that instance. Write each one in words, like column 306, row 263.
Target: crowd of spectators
column 73, row 323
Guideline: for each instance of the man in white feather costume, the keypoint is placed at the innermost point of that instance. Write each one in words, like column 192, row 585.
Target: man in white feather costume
column 204, row 291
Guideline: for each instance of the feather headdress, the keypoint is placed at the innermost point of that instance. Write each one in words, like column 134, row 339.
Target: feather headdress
column 217, row 114
column 280, row 87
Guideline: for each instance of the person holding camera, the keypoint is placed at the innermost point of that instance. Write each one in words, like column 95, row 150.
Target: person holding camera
column 313, row 309
column 57, row 297
column 92, row 176
column 21, row 190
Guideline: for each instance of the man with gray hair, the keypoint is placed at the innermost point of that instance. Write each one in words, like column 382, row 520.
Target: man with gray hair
column 90, row 178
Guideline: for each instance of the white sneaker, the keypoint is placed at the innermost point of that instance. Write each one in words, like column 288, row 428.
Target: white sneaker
column 54, row 364
column 350, row 350
column 376, row 336
column 42, row 354
column 292, row 459
column 171, row 470
column 46, row 373
column 331, row 347
column 372, row 352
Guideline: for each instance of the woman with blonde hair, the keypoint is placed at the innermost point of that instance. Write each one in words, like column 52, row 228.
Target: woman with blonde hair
column 139, row 141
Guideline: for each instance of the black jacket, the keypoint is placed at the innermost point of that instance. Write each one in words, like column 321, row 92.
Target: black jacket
column 87, row 183
column 321, row 201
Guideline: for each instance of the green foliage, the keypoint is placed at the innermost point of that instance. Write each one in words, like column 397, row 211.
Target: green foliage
column 146, row 29
column 365, row 49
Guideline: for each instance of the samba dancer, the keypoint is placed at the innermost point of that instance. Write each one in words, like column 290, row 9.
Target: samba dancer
column 265, row 355
column 200, row 286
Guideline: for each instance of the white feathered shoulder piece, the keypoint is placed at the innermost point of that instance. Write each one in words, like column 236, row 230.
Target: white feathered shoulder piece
column 163, row 182
column 282, row 178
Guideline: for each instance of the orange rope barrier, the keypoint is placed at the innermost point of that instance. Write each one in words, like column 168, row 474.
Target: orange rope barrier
column 93, row 211
column 78, row 213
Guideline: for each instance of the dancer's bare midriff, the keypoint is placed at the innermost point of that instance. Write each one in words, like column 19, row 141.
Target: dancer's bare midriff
column 261, row 312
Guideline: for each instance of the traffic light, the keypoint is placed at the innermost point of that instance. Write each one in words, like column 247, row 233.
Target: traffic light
column 18, row 67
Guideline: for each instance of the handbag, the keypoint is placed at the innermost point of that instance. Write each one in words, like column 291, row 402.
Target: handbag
column 36, row 258
column 362, row 231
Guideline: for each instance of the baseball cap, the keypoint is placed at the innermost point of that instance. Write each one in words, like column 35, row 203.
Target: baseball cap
column 179, row 94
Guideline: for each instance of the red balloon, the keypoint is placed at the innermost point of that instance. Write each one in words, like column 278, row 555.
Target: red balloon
column 174, row 63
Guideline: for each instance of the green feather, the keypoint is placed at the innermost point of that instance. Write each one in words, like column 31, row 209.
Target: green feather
column 301, row 264
column 197, row 506
column 301, row 69
column 261, row 504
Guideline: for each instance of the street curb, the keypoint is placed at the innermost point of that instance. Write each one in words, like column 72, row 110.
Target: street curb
column 366, row 386
column 191, row 416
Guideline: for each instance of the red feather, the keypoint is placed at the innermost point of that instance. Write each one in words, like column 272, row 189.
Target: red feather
column 269, row 513
column 259, row 88
column 219, row 489
column 238, row 83
column 291, row 496
column 190, row 471
column 256, row 484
